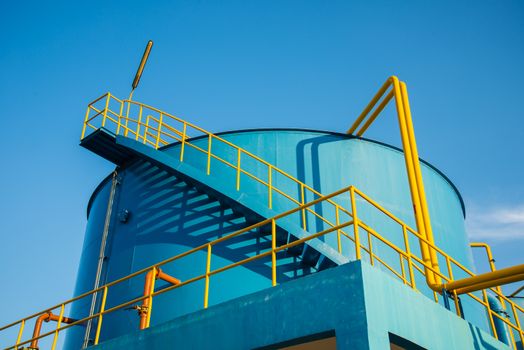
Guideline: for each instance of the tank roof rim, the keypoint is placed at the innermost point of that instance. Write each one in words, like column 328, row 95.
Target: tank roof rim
column 335, row 133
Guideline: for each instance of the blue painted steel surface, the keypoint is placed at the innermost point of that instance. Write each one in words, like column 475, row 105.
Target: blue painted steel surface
column 359, row 304
column 168, row 215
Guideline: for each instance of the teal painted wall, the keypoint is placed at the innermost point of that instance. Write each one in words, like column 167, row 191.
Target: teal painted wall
column 356, row 301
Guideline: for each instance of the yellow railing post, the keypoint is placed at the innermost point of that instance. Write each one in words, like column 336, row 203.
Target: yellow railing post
column 127, row 118
column 100, row 318
column 139, row 124
column 182, row 147
column 270, row 187
column 238, row 169
column 337, row 222
column 208, row 269
column 120, row 116
column 303, row 211
column 402, row 268
column 150, row 297
column 85, row 123
column 488, row 308
column 273, row 252
column 58, row 323
column 517, row 322
column 355, row 222
column 158, row 132
column 105, row 109
column 370, row 248
column 146, row 129
column 20, row 332
column 408, row 253
column 210, row 138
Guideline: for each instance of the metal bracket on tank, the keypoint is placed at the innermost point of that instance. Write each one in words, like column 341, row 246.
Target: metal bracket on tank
column 446, row 295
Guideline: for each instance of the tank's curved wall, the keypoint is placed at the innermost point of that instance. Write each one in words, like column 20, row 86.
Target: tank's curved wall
column 88, row 264
column 168, row 216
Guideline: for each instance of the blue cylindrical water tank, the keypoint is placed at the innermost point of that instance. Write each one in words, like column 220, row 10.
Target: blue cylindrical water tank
column 155, row 215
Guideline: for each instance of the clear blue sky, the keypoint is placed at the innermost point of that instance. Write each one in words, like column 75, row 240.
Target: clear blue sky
column 246, row 64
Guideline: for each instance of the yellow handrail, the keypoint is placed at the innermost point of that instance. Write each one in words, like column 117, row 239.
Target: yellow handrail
column 415, row 264
column 162, row 130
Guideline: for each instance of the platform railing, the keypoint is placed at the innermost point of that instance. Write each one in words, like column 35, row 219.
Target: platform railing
column 157, row 129
column 401, row 261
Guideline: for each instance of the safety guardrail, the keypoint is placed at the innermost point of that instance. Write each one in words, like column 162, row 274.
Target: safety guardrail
column 402, row 261
column 156, row 128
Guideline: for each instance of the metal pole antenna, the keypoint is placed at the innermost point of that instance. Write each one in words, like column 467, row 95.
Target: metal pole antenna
column 138, row 74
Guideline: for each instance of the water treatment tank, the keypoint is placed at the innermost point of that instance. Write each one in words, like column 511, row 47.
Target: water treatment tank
column 149, row 213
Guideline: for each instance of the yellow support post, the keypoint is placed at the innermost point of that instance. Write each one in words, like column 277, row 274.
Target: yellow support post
column 408, row 253
column 273, row 252
column 303, row 211
column 355, row 222
column 85, row 123
column 490, row 315
column 238, row 169
column 337, row 222
column 139, row 124
column 270, row 187
column 209, row 154
column 146, row 129
column 119, row 118
column 100, row 318
column 150, row 297
column 20, row 332
column 182, row 146
column 105, row 109
column 208, row 269
column 159, row 132
column 58, row 323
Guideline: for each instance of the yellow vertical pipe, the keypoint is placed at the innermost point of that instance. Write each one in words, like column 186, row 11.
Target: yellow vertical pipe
column 238, row 169
column 58, row 323
column 182, row 147
column 273, row 252
column 490, row 260
column 412, row 180
column 420, row 183
column 209, row 139
column 355, row 222
column 100, row 318
column 20, row 332
column 208, row 269
column 150, row 297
